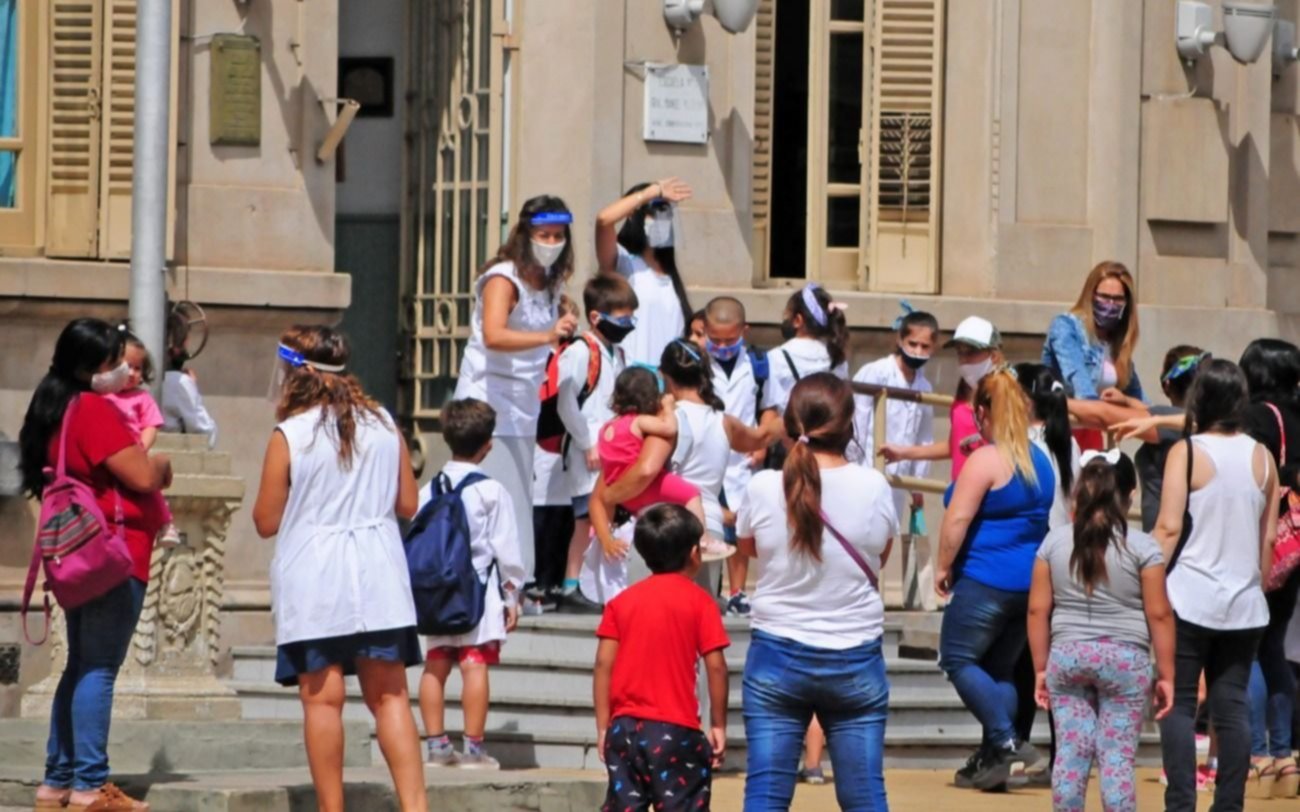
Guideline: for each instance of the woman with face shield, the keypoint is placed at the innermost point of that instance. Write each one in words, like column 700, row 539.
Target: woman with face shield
column 643, row 250
column 516, row 322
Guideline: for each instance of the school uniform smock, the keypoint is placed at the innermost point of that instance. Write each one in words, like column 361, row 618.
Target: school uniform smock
column 489, row 515
column 809, row 355
column 340, row 588
column 583, row 421
column 701, row 457
column 659, row 318
column 739, row 392
column 906, row 423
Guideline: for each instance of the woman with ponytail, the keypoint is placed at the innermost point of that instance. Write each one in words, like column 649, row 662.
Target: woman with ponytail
column 1096, row 608
column 1049, row 429
column 997, row 514
column 820, row 529
column 644, row 251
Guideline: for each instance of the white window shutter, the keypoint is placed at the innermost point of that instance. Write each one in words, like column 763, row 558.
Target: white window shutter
column 764, row 98
column 117, row 142
column 74, row 109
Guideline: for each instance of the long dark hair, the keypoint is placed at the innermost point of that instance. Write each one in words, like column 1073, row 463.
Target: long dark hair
column 820, row 416
column 636, row 391
column 688, row 367
column 1272, row 370
column 83, row 347
column 1218, row 398
column 1046, row 394
column 518, row 247
column 632, row 237
column 1100, row 504
column 834, row 333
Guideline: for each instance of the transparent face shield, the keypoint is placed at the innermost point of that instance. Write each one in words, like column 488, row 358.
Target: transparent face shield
column 660, row 224
column 288, row 359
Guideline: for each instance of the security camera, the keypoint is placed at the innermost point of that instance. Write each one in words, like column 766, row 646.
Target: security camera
column 1284, row 49
column 1246, row 28
column 734, row 15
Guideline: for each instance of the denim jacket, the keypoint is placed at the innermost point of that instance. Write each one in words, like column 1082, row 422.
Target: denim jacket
column 1079, row 360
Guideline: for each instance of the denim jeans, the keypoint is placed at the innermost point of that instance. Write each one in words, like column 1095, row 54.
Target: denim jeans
column 99, row 634
column 1270, row 718
column 1272, row 682
column 1226, row 658
column 982, row 637
column 785, row 684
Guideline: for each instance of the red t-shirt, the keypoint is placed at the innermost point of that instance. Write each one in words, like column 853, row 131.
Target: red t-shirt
column 99, row 431
column 663, row 625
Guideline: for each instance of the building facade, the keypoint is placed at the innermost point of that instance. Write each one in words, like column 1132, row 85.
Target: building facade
column 971, row 156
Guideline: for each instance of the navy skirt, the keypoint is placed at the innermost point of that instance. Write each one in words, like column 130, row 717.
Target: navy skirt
column 306, row 656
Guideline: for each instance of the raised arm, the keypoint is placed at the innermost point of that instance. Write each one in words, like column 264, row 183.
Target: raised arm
column 670, row 189
column 1105, row 414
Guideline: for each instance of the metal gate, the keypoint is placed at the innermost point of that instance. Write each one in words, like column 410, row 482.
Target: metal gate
column 451, row 211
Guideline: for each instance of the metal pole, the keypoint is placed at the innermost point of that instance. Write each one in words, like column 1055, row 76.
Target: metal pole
column 149, row 178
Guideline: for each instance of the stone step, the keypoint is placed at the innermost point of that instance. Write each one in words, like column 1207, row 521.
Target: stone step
column 136, row 746
column 216, row 463
column 173, row 442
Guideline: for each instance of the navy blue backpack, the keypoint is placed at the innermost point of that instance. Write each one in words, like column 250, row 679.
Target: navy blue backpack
column 448, row 593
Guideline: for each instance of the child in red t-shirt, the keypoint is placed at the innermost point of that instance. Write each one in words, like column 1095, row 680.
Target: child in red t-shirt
column 651, row 638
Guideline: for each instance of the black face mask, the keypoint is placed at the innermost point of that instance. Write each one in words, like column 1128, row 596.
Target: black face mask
column 913, row 362
column 787, row 329
column 613, row 333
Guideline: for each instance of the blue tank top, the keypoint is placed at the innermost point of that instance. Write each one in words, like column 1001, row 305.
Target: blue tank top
column 1011, row 523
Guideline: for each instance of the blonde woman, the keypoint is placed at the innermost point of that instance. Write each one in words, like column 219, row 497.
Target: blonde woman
column 1091, row 347
column 997, row 514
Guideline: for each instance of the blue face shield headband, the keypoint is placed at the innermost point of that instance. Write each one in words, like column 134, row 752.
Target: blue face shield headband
column 296, row 359
column 551, row 218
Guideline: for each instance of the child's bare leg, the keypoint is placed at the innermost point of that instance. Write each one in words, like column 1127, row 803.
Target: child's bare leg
column 433, row 685
column 474, row 698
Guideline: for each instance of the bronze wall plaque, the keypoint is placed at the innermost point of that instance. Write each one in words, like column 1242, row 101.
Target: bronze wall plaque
column 236, row 92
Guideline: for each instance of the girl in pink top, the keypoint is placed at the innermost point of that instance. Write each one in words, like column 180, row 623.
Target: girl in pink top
column 642, row 411
column 144, row 418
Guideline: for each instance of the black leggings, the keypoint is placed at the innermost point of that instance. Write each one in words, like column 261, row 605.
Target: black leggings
column 1225, row 657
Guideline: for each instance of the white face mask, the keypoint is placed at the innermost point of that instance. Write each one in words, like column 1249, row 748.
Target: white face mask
column 972, row 374
column 113, row 381
column 659, row 231
column 546, row 254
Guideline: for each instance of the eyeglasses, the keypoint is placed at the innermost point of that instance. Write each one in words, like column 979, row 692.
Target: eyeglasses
column 1184, row 365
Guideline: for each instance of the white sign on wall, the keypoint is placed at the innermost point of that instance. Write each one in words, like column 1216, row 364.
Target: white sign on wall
column 677, row 103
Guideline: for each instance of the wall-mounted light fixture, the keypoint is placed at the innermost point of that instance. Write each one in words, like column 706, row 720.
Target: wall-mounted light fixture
column 1284, row 49
column 734, row 15
column 1247, row 25
column 340, row 128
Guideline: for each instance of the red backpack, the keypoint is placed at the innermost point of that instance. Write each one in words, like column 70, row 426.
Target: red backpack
column 552, row 436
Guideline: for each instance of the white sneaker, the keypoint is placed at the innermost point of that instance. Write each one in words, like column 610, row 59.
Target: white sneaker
column 169, row 537
column 477, row 761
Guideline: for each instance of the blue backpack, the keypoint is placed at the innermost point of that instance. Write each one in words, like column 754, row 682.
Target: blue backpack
column 448, row 594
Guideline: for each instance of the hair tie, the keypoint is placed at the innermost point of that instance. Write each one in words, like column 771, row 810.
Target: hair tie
column 803, row 438
column 907, row 309
column 1109, row 457
column 814, row 307
column 839, row 307
column 1057, row 386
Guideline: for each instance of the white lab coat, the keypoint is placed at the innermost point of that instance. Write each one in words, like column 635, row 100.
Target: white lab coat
column 183, row 408
column 740, row 397
column 906, row 423
column 583, row 422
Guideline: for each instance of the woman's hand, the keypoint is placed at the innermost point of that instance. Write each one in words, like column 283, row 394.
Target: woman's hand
column 1114, row 395
column 1041, row 695
column 1134, row 427
column 614, row 549
column 1162, row 695
column 942, row 582
column 512, row 618
column 895, row 453
column 674, row 190
column 564, row 328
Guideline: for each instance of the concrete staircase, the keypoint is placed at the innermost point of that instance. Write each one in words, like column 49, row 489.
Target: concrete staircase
column 541, row 713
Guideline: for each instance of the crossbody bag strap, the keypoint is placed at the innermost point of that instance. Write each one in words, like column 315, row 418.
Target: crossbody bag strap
column 1187, row 514
column 1281, row 433
column 794, row 370
column 852, row 552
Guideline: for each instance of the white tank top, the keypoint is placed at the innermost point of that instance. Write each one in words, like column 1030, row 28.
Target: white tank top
column 701, row 456
column 1216, row 582
column 509, row 381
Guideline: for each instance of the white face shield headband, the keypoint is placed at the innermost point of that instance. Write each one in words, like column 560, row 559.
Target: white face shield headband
column 288, row 359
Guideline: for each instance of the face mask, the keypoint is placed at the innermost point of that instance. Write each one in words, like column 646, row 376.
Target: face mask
column 546, row 254
column 1107, row 314
column 787, row 329
column 913, row 362
column 615, row 330
column 659, row 231
column 972, row 374
column 115, row 380
column 724, row 352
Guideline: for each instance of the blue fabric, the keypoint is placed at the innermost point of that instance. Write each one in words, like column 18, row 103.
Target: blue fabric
column 99, row 635
column 8, row 98
column 1270, row 718
column 787, row 682
column 982, row 637
column 308, row 656
column 1079, row 360
column 581, row 506
column 1005, row 535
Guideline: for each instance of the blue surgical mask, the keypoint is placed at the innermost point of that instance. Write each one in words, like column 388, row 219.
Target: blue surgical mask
column 724, row 352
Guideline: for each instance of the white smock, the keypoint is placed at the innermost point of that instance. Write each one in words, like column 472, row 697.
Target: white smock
column 701, row 455
column 339, row 566
column 809, row 355
column 183, row 408
column 659, row 313
column 906, row 423
column 739, row 393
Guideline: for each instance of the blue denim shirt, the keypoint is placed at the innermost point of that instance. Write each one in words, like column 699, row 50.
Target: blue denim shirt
column 1079, row 360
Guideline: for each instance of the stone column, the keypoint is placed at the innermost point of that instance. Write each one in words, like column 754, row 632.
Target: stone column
column 170, row 669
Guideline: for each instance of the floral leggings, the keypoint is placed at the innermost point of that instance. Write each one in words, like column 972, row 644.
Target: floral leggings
column 1098, row 693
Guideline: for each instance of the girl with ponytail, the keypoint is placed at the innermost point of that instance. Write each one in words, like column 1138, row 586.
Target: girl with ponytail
column 820, row 529
column 1049, row 429
column 1096, row 608
column 997, row 513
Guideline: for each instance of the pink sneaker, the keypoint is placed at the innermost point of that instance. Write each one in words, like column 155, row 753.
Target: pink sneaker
column 1204, row 778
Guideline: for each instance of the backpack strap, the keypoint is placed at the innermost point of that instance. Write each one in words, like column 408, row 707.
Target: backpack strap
column 33, row 570
column 594, row 361
column 794, row 370
column 1187, row 515
column 472, row 478
column 61, row 468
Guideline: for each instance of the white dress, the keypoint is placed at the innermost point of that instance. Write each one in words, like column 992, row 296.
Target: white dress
column 339, row 566
column 659, row 313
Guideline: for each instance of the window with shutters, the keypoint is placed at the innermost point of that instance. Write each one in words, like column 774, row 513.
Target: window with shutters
column 848, row 114
column 20, row 124
column 451, row 214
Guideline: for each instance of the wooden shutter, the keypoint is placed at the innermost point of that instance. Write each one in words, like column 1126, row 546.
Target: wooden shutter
column 74, row 115
column 906, row 145
column 764, row 98
column 117, row 142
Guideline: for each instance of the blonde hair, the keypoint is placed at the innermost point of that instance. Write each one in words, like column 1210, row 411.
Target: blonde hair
column 1121, row 353
column 1007, row 410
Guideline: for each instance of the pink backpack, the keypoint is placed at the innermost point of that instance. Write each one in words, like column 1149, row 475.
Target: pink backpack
column 84, row 556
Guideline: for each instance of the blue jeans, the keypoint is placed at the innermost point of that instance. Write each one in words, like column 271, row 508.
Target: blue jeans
column 981, row 639
column 1270, row 718
column 785, row 684
column 99, row 634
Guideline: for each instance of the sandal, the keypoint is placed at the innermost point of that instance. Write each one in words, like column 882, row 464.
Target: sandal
column 1262, row 777
column 1286, row 784
column 111, row 799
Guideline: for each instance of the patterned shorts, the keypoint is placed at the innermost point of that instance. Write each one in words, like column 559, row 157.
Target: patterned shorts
column 657, row 765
